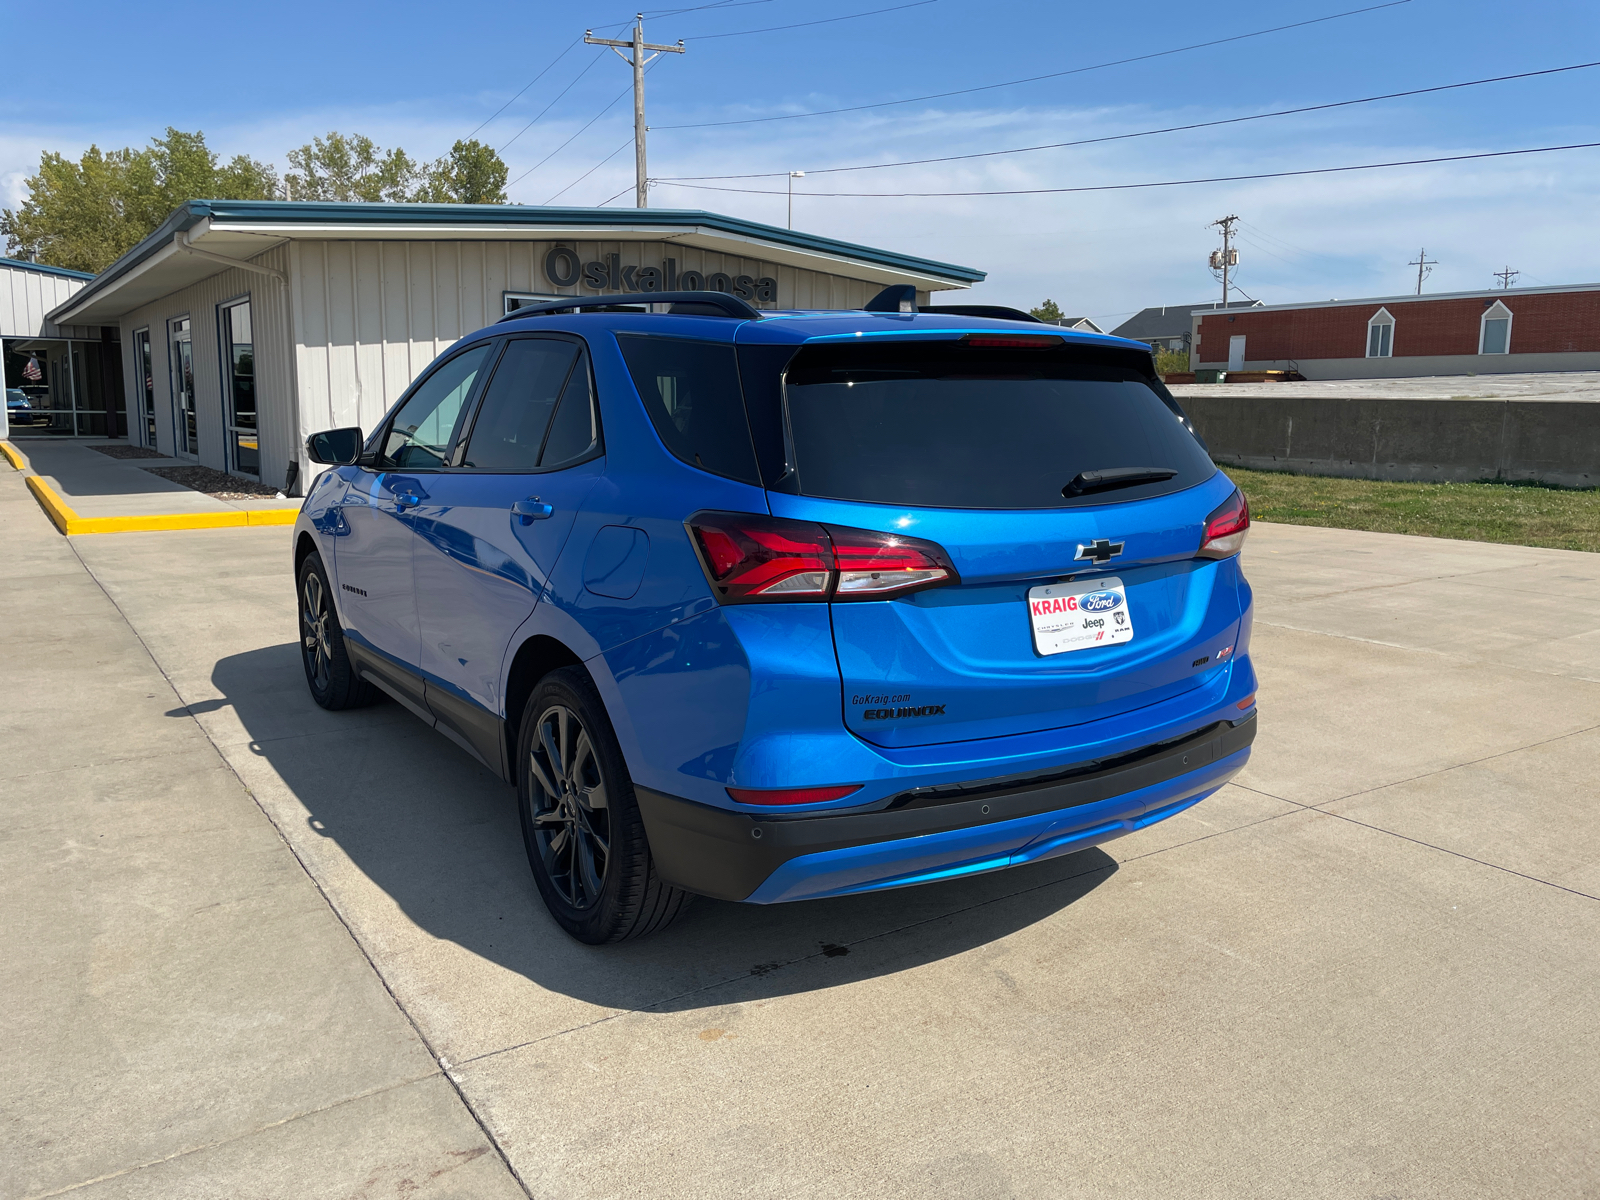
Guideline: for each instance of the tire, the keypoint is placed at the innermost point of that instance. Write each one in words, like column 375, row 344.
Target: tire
column 330, row 674
column 580, row 822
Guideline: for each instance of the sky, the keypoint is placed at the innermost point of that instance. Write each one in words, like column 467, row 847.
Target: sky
column 261, row 81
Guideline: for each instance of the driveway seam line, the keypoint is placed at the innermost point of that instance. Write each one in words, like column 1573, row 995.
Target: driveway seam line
column 1458, row 854
column 1461, row 658
column 315, row 882
column 1471, row 762
column 249, row 1133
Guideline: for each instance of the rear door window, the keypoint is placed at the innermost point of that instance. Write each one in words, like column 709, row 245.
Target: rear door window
column 948, row 425
column 691, row 391
column 508, row 434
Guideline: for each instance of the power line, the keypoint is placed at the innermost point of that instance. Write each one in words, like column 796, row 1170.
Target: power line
column 624, row 92
column 1124, row 187
column 598, row 55
column 1119, row 137
column 591, row 171
column 706, row 37
column 526, row 86
column 826, row 112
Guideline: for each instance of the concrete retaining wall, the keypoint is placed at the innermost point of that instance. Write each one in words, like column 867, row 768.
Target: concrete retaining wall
column 1457, row 441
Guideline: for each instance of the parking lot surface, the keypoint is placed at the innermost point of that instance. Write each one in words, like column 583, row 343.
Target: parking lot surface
column 252, row 948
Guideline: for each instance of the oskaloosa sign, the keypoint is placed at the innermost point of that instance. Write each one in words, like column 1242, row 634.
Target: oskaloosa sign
column 562, row 268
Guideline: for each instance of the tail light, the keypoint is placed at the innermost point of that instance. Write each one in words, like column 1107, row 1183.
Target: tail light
column 751, row 558
column 1226, row 527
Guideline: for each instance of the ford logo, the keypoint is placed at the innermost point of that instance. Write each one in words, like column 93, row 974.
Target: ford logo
column 1099, row 601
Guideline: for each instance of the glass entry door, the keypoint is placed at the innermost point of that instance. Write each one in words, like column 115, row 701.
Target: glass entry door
column 147, row 385
column 183, row 410
column 239, row 367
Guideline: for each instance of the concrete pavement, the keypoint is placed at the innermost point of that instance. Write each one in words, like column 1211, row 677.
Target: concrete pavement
column 95, row 485
column 1366, row 969
column 184, row 1014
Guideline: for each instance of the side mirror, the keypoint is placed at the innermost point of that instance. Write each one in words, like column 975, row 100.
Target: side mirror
column 335, row 447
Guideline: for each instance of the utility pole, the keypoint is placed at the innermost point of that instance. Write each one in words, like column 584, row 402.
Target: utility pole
column 637, row 45
column 1227, row 257
column 793, row 175
column 1424, row 267
column 1507, row 277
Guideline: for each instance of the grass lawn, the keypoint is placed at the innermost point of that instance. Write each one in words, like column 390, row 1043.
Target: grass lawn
column 1477, row 512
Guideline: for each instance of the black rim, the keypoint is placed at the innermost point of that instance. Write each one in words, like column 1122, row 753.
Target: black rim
column 314, row 621
column 571, row 816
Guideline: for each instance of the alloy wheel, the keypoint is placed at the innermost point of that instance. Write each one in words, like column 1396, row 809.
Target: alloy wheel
column 571, row 815
column 314, row 619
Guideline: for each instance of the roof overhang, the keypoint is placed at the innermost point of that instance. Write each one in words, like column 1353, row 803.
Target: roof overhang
column 162, row 263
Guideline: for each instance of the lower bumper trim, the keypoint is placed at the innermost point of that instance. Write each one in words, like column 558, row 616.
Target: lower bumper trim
column 729, row 855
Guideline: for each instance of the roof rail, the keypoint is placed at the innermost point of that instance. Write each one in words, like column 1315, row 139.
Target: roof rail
column 723, row 305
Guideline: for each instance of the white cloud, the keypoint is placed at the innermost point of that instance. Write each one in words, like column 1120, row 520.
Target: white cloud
column 1100, row 253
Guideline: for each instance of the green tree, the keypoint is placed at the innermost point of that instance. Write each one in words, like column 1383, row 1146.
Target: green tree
column 84, row 215
column 1172, row 361
column 471, row 173
column 1048, row 311
column 351, row 168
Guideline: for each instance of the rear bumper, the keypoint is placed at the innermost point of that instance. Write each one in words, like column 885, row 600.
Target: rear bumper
column 924, row 834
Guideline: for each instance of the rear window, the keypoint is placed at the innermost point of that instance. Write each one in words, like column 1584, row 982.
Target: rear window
column 947, row 425
column 691, row 391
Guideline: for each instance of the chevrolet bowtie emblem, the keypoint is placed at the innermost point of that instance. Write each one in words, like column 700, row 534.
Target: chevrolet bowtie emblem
column 1100, row 550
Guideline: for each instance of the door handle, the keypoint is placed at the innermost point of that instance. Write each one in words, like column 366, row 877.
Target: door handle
column 532, row 510
column 407, row 500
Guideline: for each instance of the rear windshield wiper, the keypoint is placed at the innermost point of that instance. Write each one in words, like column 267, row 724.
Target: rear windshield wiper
column 1115, row 477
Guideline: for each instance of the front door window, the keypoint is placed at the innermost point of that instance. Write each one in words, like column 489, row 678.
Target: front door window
column 188, row 431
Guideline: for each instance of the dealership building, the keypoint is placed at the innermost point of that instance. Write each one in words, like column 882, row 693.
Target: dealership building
column 70, row 375
column 244, row 326
column 1457, row 333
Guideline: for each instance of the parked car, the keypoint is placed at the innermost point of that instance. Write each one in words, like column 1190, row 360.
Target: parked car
column 19, row 409
column 768, row 606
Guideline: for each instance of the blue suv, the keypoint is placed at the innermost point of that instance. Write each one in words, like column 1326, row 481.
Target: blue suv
column 768, row 606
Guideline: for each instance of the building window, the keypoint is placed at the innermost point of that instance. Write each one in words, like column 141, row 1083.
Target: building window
column 239, row 382
column 147, row 383
column 1380, row 335
column 1494, row 333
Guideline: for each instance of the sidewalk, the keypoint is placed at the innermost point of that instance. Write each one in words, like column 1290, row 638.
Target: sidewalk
column 84, row 491
column 184, row 1015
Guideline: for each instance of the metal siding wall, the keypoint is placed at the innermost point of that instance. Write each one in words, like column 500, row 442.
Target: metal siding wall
column 274, row 383
column 370, row 316
column 27, row 296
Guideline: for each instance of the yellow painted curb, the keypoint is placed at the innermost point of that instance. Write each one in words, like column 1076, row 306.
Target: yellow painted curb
column 71, row 524
column 13, row 456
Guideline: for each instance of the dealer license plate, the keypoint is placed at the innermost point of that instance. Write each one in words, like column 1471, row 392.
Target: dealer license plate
column 1076, row 616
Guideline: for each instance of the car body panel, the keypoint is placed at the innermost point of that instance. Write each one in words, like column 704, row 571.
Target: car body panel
column 704, row 696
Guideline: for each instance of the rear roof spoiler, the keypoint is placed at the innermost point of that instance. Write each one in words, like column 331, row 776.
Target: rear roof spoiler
column 694, row 304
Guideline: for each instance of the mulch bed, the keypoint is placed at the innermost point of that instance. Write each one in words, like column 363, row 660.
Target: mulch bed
column 212, row 483
column 128, row 452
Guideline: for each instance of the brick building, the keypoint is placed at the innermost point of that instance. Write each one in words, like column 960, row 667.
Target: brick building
column 1460, row 333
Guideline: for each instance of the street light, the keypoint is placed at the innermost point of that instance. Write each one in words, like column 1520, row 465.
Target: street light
column 793, row 175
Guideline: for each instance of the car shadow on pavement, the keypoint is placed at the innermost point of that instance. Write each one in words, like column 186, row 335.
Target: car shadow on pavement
column 438, row 833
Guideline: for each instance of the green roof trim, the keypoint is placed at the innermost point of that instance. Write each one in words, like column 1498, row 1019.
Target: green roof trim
column 288, row 213
column 64, row 272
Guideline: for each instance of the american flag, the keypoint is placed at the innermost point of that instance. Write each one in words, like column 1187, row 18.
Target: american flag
column 31, row 372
